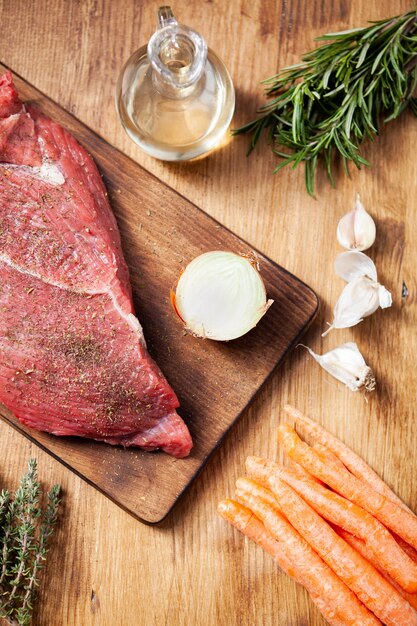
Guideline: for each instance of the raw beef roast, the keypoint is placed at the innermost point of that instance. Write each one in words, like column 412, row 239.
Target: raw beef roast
column 73, row 359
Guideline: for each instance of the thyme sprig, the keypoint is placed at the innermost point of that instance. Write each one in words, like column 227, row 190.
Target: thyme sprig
column 25, row 528
column 330, row 102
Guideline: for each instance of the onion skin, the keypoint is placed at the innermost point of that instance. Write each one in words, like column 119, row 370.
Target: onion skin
column 173, row 299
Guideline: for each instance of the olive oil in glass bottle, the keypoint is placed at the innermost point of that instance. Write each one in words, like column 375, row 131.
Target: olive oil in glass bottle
column 175, row 97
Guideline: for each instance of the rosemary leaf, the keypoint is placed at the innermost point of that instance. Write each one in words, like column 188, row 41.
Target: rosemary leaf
column 329, row 103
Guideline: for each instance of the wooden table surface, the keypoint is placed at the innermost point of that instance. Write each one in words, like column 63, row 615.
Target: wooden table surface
column 106, row 568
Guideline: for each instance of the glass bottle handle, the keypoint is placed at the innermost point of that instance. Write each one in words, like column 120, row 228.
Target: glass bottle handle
column 166, row 17
column 177, row 53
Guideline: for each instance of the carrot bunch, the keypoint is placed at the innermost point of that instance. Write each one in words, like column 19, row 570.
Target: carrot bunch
column 332, row 525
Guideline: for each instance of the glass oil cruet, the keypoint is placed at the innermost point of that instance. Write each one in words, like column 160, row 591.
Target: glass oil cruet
column 175, row 97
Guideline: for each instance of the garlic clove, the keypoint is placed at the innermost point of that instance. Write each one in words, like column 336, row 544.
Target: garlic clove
column 345, row 230
column 354, row 264
column 356, row 230
column 360, row 297
column 346, row 363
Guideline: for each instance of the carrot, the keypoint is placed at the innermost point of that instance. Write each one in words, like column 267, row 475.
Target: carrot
column 247, row 523
column 363, row 549
column 412, row 553
column 342, row 603
column 330, row 457
column 359, row 522
column 350, row 459
column 263, row 490
column 300, row 470
column 340, row 511
column 260, row 469
column 401, row 521
column 360, row 576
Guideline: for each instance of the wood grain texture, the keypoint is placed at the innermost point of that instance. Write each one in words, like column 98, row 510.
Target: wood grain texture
column 109, row 569
column 161, row 232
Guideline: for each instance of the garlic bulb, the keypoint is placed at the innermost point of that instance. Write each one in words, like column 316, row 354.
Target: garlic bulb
column 220, row 295
column 356, row 230
column 347, row 364
column 360, row 298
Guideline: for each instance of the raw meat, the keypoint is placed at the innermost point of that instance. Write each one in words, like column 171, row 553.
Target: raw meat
column 73, row 359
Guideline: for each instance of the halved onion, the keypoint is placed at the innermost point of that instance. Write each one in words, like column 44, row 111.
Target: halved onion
column 220, row 296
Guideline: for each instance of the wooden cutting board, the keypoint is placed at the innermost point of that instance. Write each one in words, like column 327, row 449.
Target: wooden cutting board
column 161, row 231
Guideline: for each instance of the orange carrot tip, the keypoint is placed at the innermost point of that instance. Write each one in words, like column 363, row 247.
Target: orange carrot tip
column 259, row 468
column 262, row 469
column 248, row 524
column 253, row 487
column 234, row 513
column 283, row 431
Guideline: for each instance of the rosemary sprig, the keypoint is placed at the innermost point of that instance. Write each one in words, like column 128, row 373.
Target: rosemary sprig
column 25, row 528
column 328, row 104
